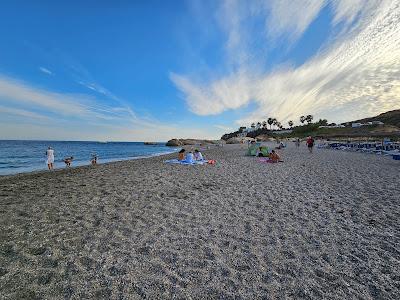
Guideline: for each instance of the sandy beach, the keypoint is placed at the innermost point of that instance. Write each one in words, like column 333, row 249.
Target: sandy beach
column 318, row 226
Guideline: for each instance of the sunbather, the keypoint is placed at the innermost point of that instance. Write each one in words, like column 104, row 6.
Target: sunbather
column 181, row 155
column 274, row 157
column 198, row 155
column 189, row 157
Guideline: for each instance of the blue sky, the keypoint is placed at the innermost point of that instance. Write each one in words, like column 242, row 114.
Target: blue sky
column 154, row 70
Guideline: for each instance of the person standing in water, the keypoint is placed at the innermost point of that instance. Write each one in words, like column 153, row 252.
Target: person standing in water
column 50, row 158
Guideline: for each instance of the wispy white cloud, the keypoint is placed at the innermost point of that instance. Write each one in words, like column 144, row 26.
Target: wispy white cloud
column 356, row 75
column 22, row 113
column 54, row 115
column 291, row 17
column 45, row 70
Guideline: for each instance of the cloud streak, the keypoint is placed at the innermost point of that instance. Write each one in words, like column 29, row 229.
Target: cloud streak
column 45, row 70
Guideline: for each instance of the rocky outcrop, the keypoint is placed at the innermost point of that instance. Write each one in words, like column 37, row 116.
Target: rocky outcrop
column 239, row 140
column 183, row 142
column 263, row 138
column 174, row 142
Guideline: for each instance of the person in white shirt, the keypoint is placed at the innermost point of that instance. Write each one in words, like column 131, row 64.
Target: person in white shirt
column 50, row 158
column 189, row 157
column 198, row 155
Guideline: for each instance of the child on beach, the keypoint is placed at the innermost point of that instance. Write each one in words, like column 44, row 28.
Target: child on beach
column 68, row 161
column 181, row 154
column 50, row 158
column 94, row 159
column 198, row 155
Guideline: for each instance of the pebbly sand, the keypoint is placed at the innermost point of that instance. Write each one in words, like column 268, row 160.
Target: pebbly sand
column 325, row 225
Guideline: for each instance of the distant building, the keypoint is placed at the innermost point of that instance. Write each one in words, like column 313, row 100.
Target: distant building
column 356, row 125
column 377, row 123
column 282, row 131
column 332, row 126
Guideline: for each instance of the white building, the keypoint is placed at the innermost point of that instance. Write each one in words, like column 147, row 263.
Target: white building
column 377, row 123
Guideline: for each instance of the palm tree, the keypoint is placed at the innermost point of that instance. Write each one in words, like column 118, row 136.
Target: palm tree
column 309, row 118
column 274, row 121
column 290, row 123
column 302, row 119
column 258, row 124
column 264, row 124
column 253, row 125
column 270, row 121
column 279, row 125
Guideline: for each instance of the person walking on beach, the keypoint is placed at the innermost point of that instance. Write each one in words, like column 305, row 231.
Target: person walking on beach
column 50, row 158
column 297, row 142
column 310, row 144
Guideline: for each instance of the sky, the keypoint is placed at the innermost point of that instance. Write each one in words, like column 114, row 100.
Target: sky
column 156, row 70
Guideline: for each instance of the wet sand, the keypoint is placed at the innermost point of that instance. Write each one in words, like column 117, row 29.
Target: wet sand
column 324, row 225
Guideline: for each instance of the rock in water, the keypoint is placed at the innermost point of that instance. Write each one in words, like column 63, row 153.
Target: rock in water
column 174, row 142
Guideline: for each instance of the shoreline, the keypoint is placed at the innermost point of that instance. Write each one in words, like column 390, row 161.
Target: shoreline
column 33, row 172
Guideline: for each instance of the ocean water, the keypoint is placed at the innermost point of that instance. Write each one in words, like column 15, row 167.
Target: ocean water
column 27, row 156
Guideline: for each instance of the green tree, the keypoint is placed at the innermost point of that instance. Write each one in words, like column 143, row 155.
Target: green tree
column 309, row 118
column 302, row 119
column 270, row 121
column 274, row 121
column 264, row 124
column 290, row 123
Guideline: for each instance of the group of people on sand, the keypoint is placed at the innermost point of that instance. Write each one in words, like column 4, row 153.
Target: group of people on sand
column 309, row 142
column 67, row 160
column 190, row 156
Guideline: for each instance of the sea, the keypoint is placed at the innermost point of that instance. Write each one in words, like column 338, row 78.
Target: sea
column 27, row 156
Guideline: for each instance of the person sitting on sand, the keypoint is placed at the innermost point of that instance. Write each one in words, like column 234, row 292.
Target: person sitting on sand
column 68, row 161
column 189, row 157
column 274, row 157
column 181, row 154
column 198, row 155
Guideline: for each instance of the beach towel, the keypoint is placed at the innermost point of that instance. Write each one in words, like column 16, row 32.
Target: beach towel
column 268, row 160
column 195, row 162
column 183, row 162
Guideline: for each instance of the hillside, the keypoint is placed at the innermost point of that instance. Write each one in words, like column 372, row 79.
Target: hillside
column 389, row 118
